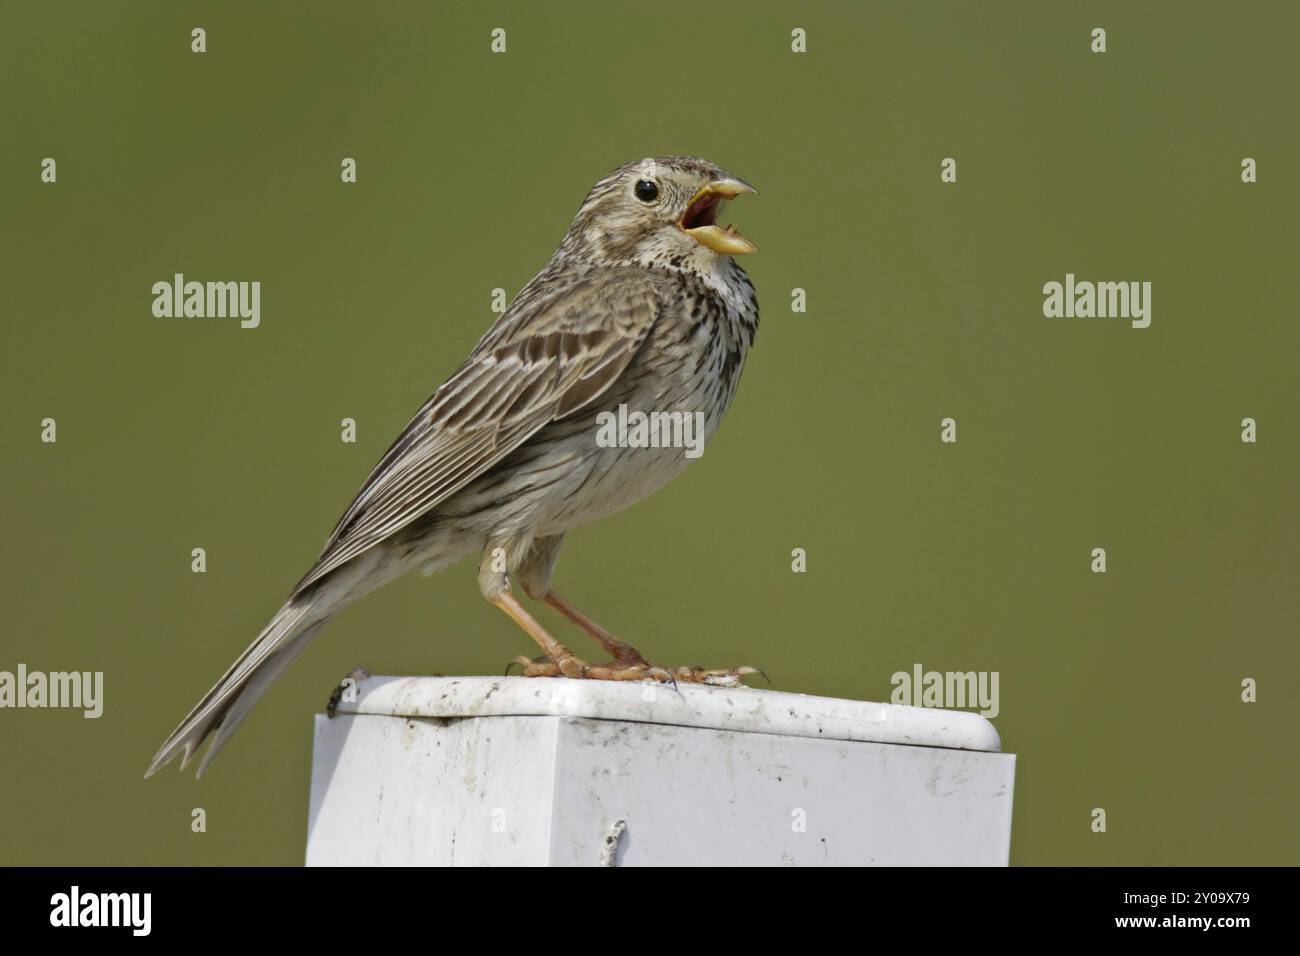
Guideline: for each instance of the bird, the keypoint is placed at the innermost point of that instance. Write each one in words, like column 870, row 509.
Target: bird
column 642, row 307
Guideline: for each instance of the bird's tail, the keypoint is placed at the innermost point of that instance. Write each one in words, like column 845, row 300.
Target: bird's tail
column 223, row 707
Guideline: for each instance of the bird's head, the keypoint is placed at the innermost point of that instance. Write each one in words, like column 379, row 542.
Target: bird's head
column 657, row 212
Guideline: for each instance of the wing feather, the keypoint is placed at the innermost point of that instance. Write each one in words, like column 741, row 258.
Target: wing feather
column 540, row 362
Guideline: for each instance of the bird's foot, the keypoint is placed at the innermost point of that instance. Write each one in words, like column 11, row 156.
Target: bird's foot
column 634, row 668
column 623, row 668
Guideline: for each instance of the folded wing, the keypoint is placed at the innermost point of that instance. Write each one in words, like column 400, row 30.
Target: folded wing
column 538, row 364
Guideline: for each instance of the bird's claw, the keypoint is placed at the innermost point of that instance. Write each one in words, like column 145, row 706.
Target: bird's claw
column 719, row 677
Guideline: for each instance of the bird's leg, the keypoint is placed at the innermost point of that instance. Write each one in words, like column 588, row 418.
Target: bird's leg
column 534, row 573
column 498, row 555
column 560, row 657
column 628, row 659
column 619, row 650
column 559, row 661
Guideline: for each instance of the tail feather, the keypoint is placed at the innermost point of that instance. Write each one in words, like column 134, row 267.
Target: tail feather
column 224, row 706
column 258, row 684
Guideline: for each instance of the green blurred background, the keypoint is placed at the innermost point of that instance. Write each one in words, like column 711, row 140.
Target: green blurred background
column 1119, row 690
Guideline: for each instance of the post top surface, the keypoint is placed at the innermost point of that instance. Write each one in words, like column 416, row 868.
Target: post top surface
column 737, row 709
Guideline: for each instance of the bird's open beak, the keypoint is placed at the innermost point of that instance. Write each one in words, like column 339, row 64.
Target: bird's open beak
column 700, row 219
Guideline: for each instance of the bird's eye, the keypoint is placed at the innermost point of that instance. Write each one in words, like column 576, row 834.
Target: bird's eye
column 646, row 191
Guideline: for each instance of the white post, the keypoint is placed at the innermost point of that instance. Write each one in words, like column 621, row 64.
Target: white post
column 538, row 771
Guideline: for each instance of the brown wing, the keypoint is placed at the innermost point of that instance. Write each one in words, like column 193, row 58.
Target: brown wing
column 540, row 362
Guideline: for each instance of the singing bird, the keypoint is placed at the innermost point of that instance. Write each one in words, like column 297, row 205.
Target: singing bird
column 641, row 307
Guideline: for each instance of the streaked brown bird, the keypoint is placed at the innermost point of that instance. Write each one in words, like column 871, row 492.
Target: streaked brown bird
column 642, row 308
